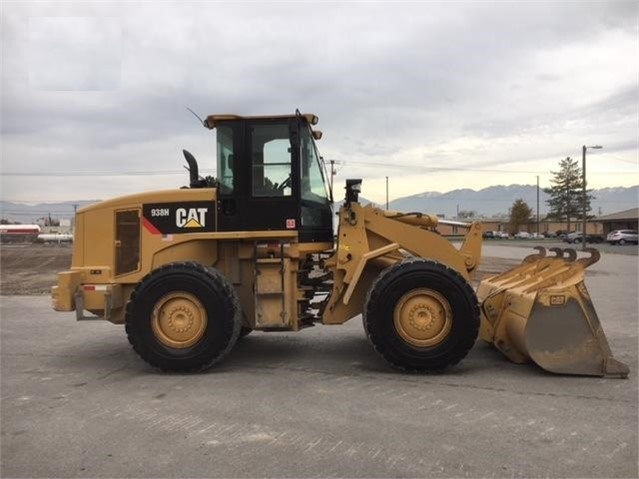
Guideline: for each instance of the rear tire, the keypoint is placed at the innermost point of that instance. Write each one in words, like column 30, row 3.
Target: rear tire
column 183, row 317
column 421, row 316
column 622, row 242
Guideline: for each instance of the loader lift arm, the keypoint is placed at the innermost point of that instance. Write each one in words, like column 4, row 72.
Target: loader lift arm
column 371, row 239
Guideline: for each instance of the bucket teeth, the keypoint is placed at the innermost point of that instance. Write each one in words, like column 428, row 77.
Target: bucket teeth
column 534, row 257
column 559, row 253
column 592, row 259
column 541, row 311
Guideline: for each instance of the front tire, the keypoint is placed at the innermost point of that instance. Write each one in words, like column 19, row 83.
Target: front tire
column 245, row 331
column 183, row 317
column 421, row 316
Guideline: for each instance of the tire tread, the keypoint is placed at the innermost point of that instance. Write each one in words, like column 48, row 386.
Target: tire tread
column 376, row 293
column 203, row 272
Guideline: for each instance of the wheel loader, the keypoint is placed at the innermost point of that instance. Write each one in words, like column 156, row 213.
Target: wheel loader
column 190, row 270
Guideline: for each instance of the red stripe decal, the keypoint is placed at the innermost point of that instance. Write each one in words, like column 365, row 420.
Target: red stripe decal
column 150, row 226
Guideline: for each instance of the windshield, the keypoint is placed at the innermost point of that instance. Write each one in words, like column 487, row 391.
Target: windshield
column 314, row 186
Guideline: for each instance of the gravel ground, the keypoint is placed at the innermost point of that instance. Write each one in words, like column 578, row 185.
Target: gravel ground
column 78, row 402
column 31, row 269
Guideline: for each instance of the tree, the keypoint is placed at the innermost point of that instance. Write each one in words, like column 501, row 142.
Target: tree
column 520, row 214
column 466, row 214
column 565, row 202
column 48, row 221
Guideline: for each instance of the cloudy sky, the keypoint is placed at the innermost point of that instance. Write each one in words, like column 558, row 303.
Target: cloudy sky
column 435, row 95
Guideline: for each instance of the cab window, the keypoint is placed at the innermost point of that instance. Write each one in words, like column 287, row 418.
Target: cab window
column 271, row 160
column 225, row 158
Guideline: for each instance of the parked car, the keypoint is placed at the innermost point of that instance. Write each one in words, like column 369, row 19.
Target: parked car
column 488, row 234
column 502, row 234
column 622, row 237
column 562, row 236
column 574, row 237
column 523, row 235
column 577, row 237
column 594, row 239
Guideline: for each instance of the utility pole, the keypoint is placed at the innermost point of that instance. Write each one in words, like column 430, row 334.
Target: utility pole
column 75, row 211
column 387, row 193
column 583, row 191
column 583, row 198
column 537, row 206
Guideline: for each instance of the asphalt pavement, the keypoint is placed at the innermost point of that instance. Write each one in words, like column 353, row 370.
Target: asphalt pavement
column 76, row 401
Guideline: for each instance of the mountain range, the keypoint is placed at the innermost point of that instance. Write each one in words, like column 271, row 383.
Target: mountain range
column 489, row 202
column 496, row 201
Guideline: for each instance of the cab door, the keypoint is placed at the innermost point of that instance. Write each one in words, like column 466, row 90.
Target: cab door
column 258, row 170
column 274, row 184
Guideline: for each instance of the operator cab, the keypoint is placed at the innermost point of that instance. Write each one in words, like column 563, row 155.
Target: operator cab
column 270, row 176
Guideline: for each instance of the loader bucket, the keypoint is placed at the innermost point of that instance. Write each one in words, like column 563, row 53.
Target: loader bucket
column 541, row 311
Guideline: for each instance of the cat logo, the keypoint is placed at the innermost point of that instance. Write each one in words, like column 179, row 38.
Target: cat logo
column 191, row 218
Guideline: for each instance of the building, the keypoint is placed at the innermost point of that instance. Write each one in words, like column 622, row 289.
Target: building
column 602, row 225
column 624, row 220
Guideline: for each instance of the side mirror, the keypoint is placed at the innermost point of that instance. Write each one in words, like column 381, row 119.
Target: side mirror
column 353, row 189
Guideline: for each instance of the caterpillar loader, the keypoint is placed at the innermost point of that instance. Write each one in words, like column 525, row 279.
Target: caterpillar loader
column 188, row 271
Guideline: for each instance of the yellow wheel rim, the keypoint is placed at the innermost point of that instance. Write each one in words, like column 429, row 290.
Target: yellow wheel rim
column 179, row 320
column 423, row 317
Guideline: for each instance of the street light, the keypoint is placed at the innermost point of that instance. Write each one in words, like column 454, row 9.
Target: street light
column 583, row 191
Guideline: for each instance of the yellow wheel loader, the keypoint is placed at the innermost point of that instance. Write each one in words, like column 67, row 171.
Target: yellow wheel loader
column 188, row 271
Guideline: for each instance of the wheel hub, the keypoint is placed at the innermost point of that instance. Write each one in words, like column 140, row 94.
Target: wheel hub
column 423, row 317
column 179, row 320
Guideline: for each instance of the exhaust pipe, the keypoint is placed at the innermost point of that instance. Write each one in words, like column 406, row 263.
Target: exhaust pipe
column 194, row 175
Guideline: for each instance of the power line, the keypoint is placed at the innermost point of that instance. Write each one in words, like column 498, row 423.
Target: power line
column 622, row 160
column 387, row 165
column 435, row 169
column 66, row 174
column 403, row 166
